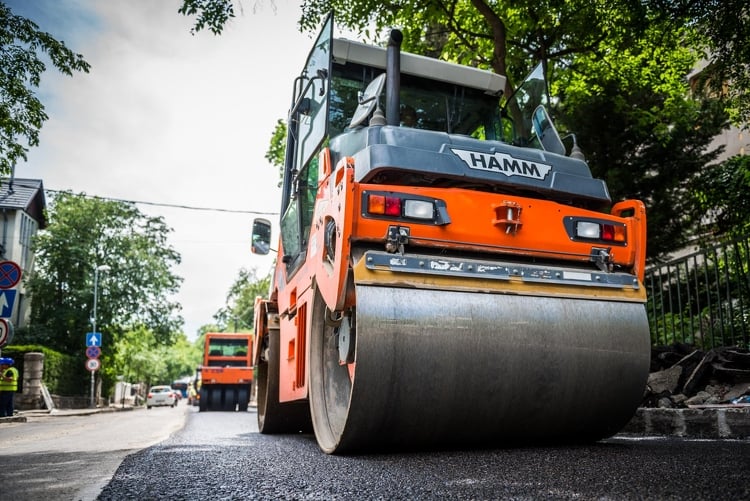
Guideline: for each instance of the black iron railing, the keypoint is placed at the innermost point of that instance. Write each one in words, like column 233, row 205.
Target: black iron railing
column 702, row 299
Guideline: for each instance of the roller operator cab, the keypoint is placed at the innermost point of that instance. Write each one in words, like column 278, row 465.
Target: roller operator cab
column 449, row 273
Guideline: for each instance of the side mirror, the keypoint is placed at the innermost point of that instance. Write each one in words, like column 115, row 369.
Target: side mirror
column 261, row 237
column 546, row 132
column 368, row 101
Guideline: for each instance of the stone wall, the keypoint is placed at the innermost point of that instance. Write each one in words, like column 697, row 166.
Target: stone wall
column 31, row 398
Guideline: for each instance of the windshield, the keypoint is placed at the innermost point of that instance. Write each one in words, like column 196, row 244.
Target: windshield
column 425, row 104
column 228, row 347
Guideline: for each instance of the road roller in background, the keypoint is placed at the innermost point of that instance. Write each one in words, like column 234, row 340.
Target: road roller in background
column 225, row 378
column 449, row 273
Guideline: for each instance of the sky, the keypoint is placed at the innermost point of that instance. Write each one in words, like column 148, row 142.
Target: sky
column 167, row 117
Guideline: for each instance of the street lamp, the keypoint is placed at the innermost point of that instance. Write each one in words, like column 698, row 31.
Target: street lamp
column 99, row 268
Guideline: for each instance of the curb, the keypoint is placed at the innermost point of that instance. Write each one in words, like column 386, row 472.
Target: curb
column 13, row 419
column 22, row 416
column 706, row 423
column 710, row 423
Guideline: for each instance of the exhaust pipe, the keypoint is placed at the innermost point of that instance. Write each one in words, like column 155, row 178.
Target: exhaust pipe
column 393, row 78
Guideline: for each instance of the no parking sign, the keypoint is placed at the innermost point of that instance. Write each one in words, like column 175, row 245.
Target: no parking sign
column 10, row 274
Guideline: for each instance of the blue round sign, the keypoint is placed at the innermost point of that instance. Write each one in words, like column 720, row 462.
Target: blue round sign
column 93, row 352
column 10, row 274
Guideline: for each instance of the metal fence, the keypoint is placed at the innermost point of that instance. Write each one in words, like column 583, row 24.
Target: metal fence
column 702, row 299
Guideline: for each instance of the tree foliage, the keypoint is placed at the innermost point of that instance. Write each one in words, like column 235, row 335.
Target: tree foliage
column 506, row 36
column 138, row 356
column 722, row 32
column 239, row 313
column 83, row 234
column 213, row 15
column 277, row 148
column 642, row 132
column 209, row 14
column 21, row 113
column 509, row 36
column 643, row 154
column 722, row 194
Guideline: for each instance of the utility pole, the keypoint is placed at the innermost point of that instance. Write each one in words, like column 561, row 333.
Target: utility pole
column 99, row 268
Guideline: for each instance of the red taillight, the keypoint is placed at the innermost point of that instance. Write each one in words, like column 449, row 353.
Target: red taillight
column 392, row 206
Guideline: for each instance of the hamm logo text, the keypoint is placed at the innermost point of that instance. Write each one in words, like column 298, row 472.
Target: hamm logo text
column 503, row 163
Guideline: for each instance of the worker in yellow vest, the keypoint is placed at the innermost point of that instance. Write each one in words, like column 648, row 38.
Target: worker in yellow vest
column 8, row 386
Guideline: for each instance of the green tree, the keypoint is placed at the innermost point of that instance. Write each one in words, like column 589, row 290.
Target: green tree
column 646, row 153
column 239, row 314
column 86, row 233
column 203, row 329
column 722, row 197
column 722, row 31
column 642, row 132
column 209, row 14
column 21, row 113
column 506, row 36
column 138, row 356
column 277, row 148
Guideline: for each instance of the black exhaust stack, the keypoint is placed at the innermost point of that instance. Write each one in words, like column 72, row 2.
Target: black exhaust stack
column 393, row 79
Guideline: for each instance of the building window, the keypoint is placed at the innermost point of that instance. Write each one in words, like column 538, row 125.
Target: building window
column 28, row 230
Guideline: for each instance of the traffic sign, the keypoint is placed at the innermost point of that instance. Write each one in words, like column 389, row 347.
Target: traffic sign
column 4, row 332
column 10, row 274
column 93, row 364
column 93, row 352
column 93, row 339
column 7, row 298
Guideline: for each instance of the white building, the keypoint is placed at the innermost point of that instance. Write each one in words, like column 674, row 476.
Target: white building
column 22, row 214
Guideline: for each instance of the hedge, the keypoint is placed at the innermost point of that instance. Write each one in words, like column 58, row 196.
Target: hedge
column 63, row 375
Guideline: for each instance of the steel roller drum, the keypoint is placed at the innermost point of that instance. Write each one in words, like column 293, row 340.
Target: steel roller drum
column 446, row 368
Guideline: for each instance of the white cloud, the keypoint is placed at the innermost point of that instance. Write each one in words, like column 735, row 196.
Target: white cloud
column 168, row 117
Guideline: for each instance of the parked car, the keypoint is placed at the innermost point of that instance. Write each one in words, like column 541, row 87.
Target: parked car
column 161, row 395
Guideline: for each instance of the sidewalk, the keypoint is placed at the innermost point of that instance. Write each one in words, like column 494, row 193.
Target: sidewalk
column 22, row 416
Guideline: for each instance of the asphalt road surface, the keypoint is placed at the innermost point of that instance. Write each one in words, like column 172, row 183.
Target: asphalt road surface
column 221, row 456
column 71, row 457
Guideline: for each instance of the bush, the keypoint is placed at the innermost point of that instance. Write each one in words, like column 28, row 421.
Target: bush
column 63, row 374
